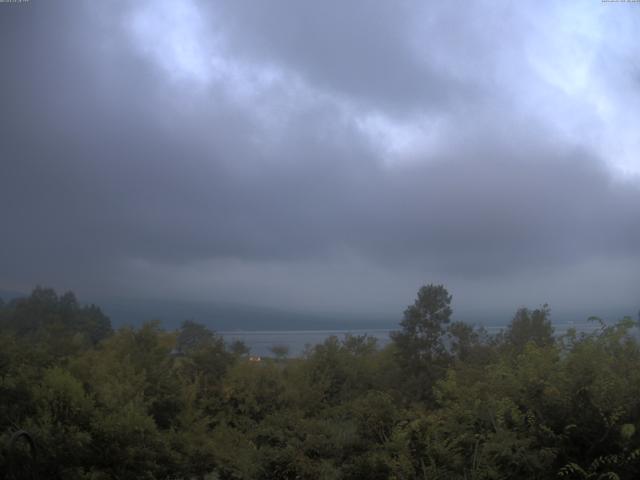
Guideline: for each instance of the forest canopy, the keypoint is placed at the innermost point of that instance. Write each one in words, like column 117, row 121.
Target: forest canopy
column 443, row 400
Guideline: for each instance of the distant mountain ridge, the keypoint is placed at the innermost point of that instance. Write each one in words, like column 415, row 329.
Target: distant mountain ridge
column 8, row 295
column 222, row 316
column 226, row 316
column 229, row 317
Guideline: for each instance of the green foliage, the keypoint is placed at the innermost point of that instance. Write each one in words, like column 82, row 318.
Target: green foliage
column 420, row 345
column 280, row 351
column 530, row 326
column 194, row 336
column 442, row 401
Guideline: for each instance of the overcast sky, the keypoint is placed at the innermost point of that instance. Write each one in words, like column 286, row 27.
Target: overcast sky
column 326, row 156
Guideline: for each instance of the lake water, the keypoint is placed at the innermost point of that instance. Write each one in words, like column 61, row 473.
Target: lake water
column 260, row 342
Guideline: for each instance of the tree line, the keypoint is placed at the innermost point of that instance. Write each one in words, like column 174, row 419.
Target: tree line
column 443, row 400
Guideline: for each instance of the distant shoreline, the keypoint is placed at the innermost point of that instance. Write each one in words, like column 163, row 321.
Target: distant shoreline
column 260, row 342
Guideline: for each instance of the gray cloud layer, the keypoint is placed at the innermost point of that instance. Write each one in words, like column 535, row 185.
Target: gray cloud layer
column 323, row 155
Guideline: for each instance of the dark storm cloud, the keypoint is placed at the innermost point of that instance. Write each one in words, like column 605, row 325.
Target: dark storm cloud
column 274, row 138
column 359, row 50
